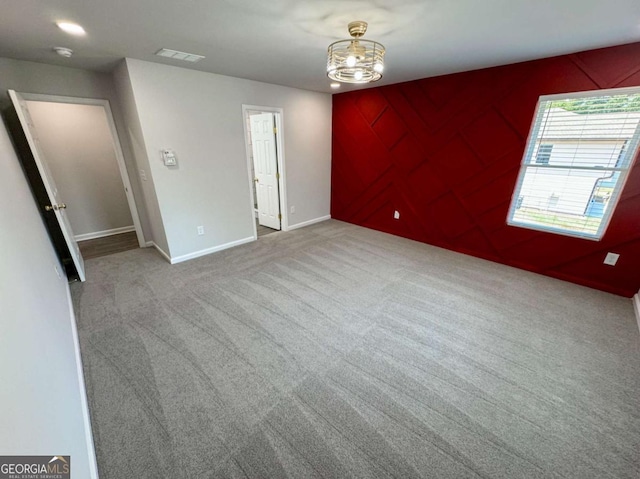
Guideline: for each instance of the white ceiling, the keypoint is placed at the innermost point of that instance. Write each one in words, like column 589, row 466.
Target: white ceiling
column 284, row 41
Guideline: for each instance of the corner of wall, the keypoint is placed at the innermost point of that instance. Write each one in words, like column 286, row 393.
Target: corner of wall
column 125, row 93
column 636, row 307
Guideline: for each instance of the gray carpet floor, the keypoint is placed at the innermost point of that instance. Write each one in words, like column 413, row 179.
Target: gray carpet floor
column 335, row 351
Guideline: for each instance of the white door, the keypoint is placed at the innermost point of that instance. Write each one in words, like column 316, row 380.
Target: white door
column 265, row 163
column 56, row 204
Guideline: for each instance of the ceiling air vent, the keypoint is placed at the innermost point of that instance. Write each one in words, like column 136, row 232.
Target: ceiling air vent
column 176, row 55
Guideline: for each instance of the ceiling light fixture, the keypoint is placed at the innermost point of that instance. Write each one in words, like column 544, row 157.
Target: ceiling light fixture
column 72, row 28
column 355, row 60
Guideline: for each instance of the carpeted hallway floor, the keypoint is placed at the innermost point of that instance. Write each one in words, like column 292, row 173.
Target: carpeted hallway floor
column 335, row 351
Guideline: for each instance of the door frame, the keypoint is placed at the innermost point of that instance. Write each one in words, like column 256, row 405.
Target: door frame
column 282, row 190
column 117, row 147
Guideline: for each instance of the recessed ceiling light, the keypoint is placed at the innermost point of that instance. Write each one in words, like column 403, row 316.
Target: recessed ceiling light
column 335, row 84
column 72, row 28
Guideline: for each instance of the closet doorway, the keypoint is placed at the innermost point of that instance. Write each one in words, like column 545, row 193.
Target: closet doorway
column 265, row 159
column 79, row 149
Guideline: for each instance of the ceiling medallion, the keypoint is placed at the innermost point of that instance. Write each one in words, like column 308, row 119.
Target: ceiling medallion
column 355, row 60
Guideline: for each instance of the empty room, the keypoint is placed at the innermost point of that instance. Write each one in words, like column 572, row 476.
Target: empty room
column 320, row 239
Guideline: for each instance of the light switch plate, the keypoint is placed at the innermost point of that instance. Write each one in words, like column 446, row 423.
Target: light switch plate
column 396, row 215
column 169, row 158
column 611, row 259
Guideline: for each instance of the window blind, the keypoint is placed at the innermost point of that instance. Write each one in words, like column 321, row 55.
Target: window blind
column 579, row 151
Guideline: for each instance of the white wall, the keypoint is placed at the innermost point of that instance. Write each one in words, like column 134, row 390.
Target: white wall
column 78, row 148
column 199, row 116
column 30, row 77
column 42, row 404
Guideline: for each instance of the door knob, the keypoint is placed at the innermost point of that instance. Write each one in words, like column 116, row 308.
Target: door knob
column 256, row 180
column 61, row 206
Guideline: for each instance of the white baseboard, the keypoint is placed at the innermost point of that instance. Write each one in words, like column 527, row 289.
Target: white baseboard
column 215, row 249
column 636, row 306
column 204, row 252
column 151, row 244
column 102, row 234
column 310, row 222
column 84, row 403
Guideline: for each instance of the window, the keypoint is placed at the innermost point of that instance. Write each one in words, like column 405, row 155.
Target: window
column 580, row 148
column 544, row 154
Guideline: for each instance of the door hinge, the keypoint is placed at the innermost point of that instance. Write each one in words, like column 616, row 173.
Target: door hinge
column 277, row 176
column 275, row 130
column 279, row 216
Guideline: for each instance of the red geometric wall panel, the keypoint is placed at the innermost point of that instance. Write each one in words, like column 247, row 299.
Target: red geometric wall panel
column 446, row 152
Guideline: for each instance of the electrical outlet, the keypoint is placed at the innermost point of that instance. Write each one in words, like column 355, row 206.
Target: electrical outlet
column 611, row 259
column 143, row 175
column 396, row 215
column 200, row 230
column 293, row 210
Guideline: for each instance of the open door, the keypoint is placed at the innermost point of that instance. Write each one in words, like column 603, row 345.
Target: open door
column 56, row 205
column 265, row 161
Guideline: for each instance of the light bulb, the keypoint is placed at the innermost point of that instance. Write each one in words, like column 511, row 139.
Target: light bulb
column 72, row 28
column 358, row 75
column 351, row 61
column 378, row 67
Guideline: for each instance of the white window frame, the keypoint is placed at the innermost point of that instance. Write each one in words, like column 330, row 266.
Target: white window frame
column 529, row 153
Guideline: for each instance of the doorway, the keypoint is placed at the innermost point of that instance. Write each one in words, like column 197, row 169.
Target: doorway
column 79, row 149
column 264, row 140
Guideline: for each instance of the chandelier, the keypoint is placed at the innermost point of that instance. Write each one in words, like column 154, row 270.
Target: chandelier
column 355, row 60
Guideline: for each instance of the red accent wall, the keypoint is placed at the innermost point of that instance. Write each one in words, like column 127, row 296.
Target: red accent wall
column 445, row 152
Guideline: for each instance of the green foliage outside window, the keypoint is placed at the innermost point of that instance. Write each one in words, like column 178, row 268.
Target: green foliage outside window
column 604, row 104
